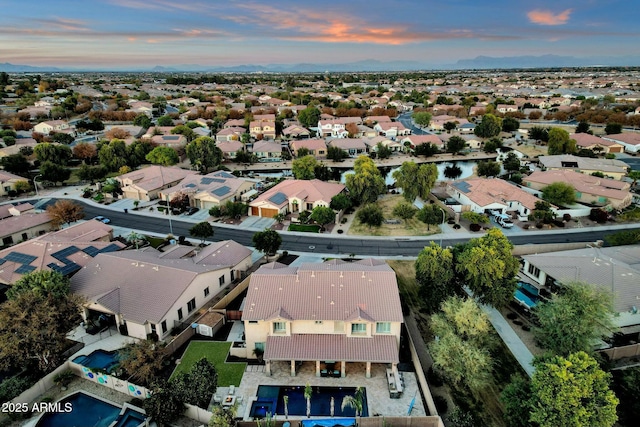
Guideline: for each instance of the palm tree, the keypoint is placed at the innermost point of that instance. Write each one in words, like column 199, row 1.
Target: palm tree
column 635, row 176
column 135, row 238
column 307, row 395
column 355, row 402
column 285, row 398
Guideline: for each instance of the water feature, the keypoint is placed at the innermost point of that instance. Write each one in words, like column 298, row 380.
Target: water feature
column 99, row 359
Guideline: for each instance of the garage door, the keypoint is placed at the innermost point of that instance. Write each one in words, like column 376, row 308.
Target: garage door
column 255, row 211
column 615, row 149
column 269, row 213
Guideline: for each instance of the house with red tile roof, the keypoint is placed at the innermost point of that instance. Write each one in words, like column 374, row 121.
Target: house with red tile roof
column 327, row 314
column 50, row 126
column 483, row 195
column 316, row 147
column 230, row 148
column 267, row 150
column 595, row 143
column 589, row 189
column 630, row 141
column 415, row 140
column 353, row 146
column 391, row 130
column 230, row 134
column 151, row 291
column 611, row 168
column 8, row 182
column 295, row 132
column 293, row 196
column 146, row 183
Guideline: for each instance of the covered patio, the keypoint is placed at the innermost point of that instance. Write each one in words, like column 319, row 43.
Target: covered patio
column 331, row 352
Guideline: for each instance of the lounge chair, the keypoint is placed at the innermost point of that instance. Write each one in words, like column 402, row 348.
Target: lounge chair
column 324, row 373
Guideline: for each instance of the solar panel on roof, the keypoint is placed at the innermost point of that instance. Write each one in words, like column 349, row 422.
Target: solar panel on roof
column 62, row 254
column 221, row 191
column 171, row 137
column 462, row 186
column 209, row 180
column 20, row 258
column 278, row 198
column 65, row 269
column 189, row 185
column 91, row 251
column 2, row 261
column 24, row 269
column 111, row 248
column 225, row 174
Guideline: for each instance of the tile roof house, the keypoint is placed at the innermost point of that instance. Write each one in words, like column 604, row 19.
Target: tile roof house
column 595, row 143
column 47, row 127
column 391, row 130
column 609, row 167
column 8, row 182
column 294, row 195
column 146, row 183
column 316, row 147
column 296, row 131
column 615, row 269
column 207, row 191
column 335, row 312
column 415, row 140
column 267, row 150
column 353, row 146
column 262, row 129
column 230, row 134
column 482, row 195
column 152, row 293
column 589, row 189
column 630, row 141
column 24, row 226
column 229, row 148
column 65, row 251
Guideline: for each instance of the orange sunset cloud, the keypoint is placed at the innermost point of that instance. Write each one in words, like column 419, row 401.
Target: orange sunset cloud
column 546, row 17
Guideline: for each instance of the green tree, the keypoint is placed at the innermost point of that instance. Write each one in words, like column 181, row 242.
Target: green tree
column 185, row 131
column 449, row 126
column 456, row 144
column 9, row 140
column 404, row 211
column 613, row 128
column 511, row 162
column 559, row 193
column 416, row 180
column 223, row 416
column 340, row 202
column 322, row 215
column 475, row 217
column 434, row 274
column 492, row 145
column 267, row 241
column 137, row 153
column 164, row 406
column 488, row 267
column 142, row 120
column 371, row 215
column 113, row 154
column 462, row 347
column 198, row 385
column 62, row 138
column 85, row 151
column 366, row 184
column 489, row 127
column 142, row 360
column 336, row 154
column 382, row 151
column 54, row 172
column 560, row 142
column 16, row 163
column 635, row 176
column 583, row 127
column 202, row 230
column 165, row 156
column 624, row 237
column 165, row 121
column 355, row 402
column 91, row 173
column 58, row 154
column 204, row 154
column 35, row 321
column 431, row 214
column 304, row 167
column 510, row 124
column 626, row 385
column 539, row 134
column 64, row 211
column 574, row 319
column 516, row 398
column 303, row 151
column 488, row 168
column 421, row 118
column 572, row 392
column 309, row 117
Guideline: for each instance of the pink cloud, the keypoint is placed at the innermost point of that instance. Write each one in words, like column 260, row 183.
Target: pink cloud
column 546, row 17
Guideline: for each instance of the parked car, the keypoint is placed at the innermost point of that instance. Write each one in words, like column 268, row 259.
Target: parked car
column 102, row 219
column 192, row 210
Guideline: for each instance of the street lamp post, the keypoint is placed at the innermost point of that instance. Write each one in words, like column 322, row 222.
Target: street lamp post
column 35, row 183
column 442, row 226
column 170, row 225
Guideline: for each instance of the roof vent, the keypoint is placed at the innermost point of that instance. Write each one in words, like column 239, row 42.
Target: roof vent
column 313, row 274
column 341, row 276
column 363, row 276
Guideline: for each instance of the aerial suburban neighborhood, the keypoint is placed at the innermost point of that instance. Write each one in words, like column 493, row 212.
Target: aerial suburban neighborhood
column 456, row 246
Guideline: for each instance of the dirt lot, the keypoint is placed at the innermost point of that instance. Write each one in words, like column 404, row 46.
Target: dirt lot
column 412, row 227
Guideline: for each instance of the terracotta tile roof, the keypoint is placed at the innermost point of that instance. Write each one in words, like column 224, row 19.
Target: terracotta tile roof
column 566, row 161
column 327, row 291
column 311, row 144
column 154, row 177
column 375, row 349
column 588, row 140
column 587, row 184
column 485, row 191
column 226, row 252
column 15, row 224
column 627, row 137
column 315, row 189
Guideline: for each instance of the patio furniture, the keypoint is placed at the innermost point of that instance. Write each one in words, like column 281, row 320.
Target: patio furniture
column 324, row 373
column 229, row 400
column 232, row 389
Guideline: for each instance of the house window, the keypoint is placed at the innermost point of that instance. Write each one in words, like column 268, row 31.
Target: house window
column 191, row 305
column 534, row 271
column 233, row 275
column 24, row 236
column 358, row 328
column 206, row 291
column 221, row 280
column 279, row 327
column 253, row 322
column 383, row 327
column 318, row 322
column 309, row 206
column 163, row 326
column 180, row 316
column 338, row 327
column 153, row 328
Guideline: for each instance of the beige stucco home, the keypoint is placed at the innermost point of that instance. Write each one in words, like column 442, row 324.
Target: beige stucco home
column 294, row 195
column 329, row 314
column 145, row 184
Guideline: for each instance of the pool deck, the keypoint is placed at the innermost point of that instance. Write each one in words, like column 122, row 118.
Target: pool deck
column 378, row 400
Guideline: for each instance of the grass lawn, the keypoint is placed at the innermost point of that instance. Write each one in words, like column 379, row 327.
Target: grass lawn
column 305, row 228
column 155, row 241
column 412, row 227
column 216, row 353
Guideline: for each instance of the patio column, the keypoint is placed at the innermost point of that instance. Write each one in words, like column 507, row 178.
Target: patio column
column 268, row 367
column 293, row 368
column 317, row 368
column 342, row 369
column 368, row 370
column 394, row 368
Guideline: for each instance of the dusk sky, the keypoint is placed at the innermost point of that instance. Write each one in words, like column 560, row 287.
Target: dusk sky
column 144, row 33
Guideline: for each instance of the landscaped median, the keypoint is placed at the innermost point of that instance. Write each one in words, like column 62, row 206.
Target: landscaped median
column 216, row 352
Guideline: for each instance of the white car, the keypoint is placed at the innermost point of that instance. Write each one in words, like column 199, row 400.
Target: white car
column 102, row 219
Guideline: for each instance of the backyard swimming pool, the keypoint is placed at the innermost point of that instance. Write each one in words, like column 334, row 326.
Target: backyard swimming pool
column 91, row 411
column 527, row 294
column 270, row 400
column 99, row 359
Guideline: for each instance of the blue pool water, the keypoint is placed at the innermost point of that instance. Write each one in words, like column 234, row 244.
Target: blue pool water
column 331, row 422
column 99, row 359
column 270, row 400
column 90, row 411
column 527, row 294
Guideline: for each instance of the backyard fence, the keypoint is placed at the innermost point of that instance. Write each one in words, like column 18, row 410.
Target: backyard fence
column 41, row 387
column 233, row 293
column 617, row 353
column 179, row 340
column 90, row 339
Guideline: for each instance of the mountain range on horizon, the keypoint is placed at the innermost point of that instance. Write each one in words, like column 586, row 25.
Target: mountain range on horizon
column 369, row 65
